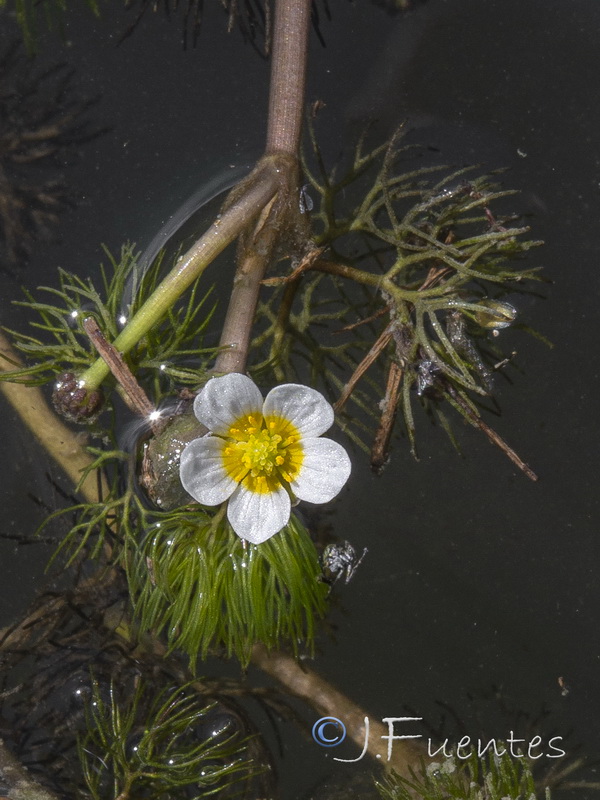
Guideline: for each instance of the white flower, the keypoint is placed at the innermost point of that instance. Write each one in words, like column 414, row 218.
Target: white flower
column 260, row 455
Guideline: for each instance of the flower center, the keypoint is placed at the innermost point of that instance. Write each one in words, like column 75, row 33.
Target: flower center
column 263, row 453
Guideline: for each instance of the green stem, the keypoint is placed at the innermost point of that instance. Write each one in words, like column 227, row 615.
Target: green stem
column 384, row 283
column 188, row 268
column 288, row 78
column 64, row 446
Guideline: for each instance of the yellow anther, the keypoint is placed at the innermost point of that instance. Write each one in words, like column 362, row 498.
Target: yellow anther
column 258, row 454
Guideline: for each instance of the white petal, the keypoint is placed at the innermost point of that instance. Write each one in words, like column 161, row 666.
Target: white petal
column 225, row 399
column 325, row 469
column 304, row 407
column 202, row 472
column 256, row 517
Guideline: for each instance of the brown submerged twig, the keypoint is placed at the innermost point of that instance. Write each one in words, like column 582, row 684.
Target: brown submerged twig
column 133, row 394
column 306, row 684
column 381, row 443
column 491, row 434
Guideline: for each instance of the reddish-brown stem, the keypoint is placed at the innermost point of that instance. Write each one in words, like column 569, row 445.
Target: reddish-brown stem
column 329, row 701
column 133, row 394
column 374, row 353
column 235, row 336
column 494, row 437
column 288, row 76
column 381, row 443
column 286, row 106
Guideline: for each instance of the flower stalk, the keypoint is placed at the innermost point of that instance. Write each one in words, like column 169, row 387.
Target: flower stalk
column 288, row 78
column 224, row 230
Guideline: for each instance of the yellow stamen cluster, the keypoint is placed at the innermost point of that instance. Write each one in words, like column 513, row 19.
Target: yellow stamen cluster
column 262, row 453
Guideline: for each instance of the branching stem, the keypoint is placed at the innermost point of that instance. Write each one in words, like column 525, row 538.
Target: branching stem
column 286, row 102
column 286, row 106
column 221, row 233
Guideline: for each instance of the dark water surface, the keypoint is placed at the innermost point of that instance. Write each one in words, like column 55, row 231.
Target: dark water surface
column 480, row 588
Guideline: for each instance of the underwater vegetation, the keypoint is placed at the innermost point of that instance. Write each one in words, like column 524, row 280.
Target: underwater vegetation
column 491, row 778
column 393, row 308
column 408, row 322
column 366, row 293
column 42, row 120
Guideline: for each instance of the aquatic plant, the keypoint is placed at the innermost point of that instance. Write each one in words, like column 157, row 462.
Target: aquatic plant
column 169, row 355
column 35, row 16
column 42, row 119
column 433, row 263
column 261, row 455
column 388, row 303
column 489, row 778
column 170, row 744
column 425, row 312
column 192, row 579
column 92, row 714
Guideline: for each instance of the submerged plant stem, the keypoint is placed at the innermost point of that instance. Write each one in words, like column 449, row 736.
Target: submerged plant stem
column 235, row 336
column 60, row 442
column 288, row 76
column 133, row 394
column 494, row 437
column 221, row 233
column 286, row 101
column 329, row 701
column 286, row 106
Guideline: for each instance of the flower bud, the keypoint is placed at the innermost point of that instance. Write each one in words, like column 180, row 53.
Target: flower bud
column 74, row 401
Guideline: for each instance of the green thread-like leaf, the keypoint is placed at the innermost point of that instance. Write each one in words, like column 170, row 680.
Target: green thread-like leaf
column 493, row 777
column 170, row 355
column 191, row 577
column 154, row 746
